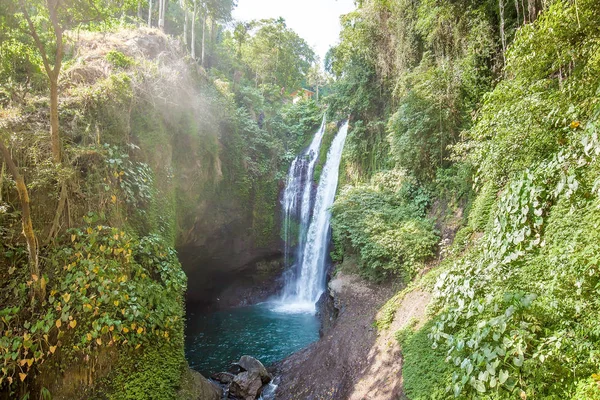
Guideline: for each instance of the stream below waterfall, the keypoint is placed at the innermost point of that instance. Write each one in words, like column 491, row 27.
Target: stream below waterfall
column 273, row 330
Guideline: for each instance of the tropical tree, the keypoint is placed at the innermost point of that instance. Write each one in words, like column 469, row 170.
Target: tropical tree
column 276, row 54
column 316, row 78
column 46, row 23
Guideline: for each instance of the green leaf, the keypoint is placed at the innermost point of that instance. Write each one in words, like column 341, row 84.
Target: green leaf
column 479, row 386
column 503, row 376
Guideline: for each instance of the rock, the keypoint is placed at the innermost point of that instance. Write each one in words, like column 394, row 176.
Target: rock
column 327, row 312
column 235, row 369
column 223, row 377
column 197, row 387
column 251, row 364
column 246, row 385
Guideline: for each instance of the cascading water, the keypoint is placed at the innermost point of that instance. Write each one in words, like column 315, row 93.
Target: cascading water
column 296, row 199
column 303, row 289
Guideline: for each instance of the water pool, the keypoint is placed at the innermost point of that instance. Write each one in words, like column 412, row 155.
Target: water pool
column 215, row 340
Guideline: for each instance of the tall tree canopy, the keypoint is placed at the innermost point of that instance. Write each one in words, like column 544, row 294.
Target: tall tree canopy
column 276, row 53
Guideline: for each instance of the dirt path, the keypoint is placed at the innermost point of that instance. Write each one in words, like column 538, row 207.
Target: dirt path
column 352, row 361
column 382, row 379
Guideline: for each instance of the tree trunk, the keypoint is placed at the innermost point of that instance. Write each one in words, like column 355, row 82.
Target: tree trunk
column 502, row 35
column 160, row 5
column 54, row 119
column 139, row 13
column 213, row 39
column 185, row 22
column 203, row 35
column 185, row 28
column 149, row 13
column 62, row 201
column 32, row 244
column 194, row 29
column 2, row 179
column 161, row 14
column 531, row 10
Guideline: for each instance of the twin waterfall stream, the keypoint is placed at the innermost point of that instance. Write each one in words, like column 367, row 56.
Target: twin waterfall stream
column 306, row 223
column 273, row 330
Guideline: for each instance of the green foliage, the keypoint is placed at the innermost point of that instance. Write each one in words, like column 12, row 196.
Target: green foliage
column 153, row 374
column 522, row 306
column 300, row 121
column 19, row 69
column 360, row 159
column 517, row 299
column 402, row 335
column 115, row 282
column 429, row 119
column 424, row 370
column 330, row 132
column 118, row 59
column 519, row 307
column 105, row 288
column 384, row 223
column 454, row 183
column 529, row 116
column 481, row 209
column 411, row 74
column 277, row 54
column 588, row 389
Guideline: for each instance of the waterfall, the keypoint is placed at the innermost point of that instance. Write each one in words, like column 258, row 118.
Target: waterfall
column 296, row 200
column 306, row 281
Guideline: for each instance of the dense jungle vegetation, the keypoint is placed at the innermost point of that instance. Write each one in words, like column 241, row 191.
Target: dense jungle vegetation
column 473, row 149
column 115, row 139
column 486, row 110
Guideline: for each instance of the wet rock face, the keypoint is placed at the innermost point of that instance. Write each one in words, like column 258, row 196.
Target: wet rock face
column 256, row 283
column 245, row 380
column 327, row 309
column 221, row 276
column 217, row 245
column 327, row 312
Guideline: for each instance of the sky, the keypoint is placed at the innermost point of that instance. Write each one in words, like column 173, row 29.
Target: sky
column 316, row 21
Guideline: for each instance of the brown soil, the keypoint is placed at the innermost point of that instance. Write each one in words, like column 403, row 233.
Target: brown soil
column 382, row 379
column 353, row 361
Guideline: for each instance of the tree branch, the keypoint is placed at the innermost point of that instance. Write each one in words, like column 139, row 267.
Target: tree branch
column 36, row 38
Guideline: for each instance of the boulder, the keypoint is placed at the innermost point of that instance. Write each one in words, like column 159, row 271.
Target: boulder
column 251, row 364
column 223, row 377
column 197, row 387
column 246, row 385
column 235, row 369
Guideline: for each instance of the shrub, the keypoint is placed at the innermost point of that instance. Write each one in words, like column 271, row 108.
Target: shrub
column 384, row 223
column 118, row 59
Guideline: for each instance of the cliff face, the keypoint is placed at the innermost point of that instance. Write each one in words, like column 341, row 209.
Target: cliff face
column 156, row 157
column 195, row 139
